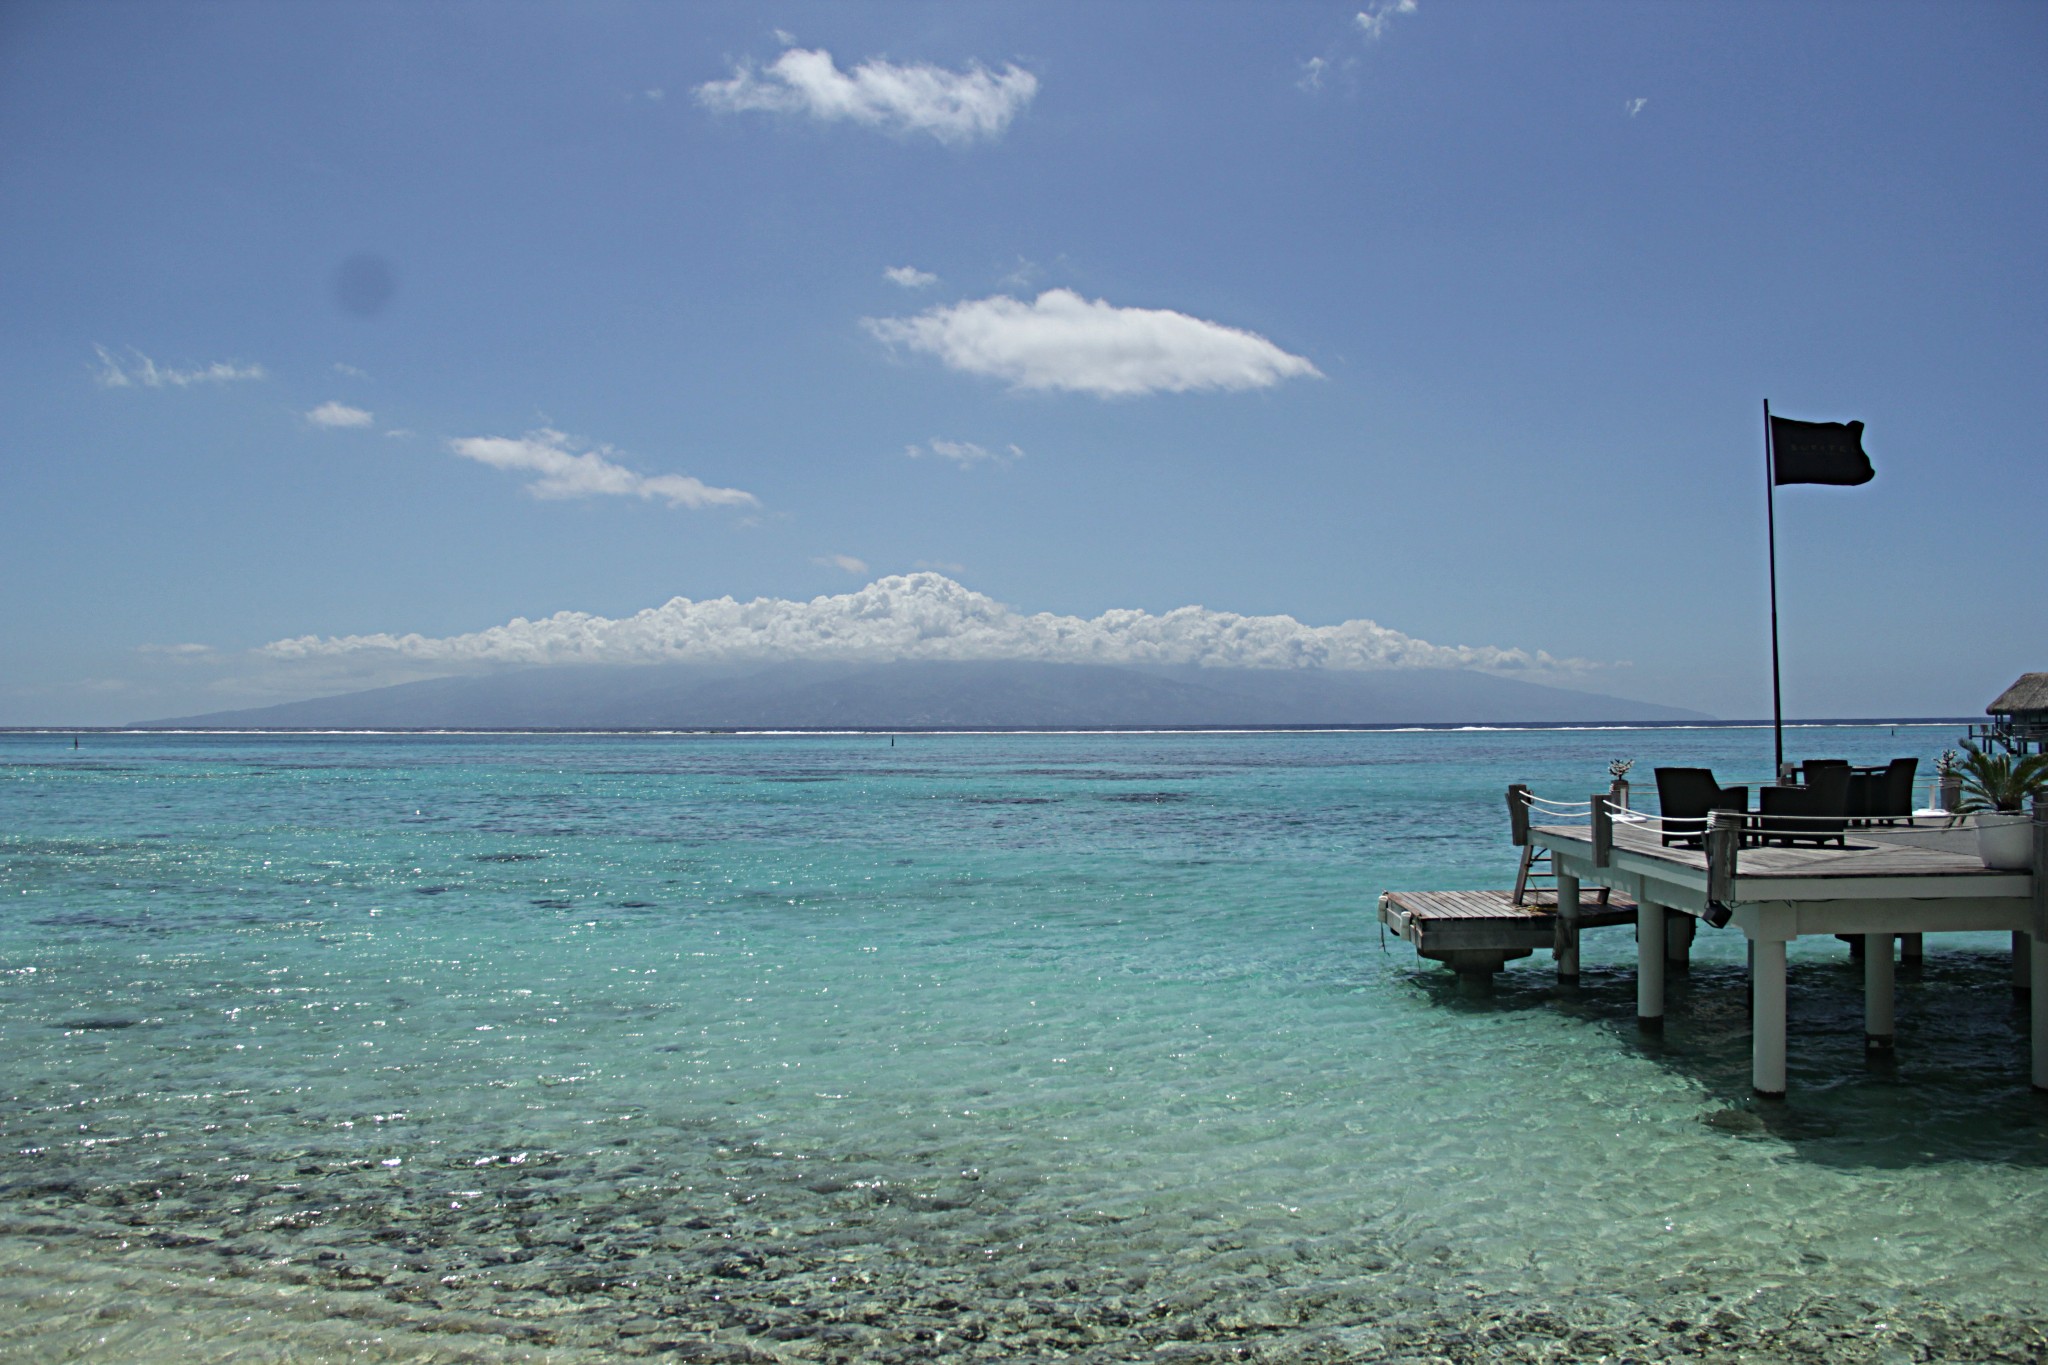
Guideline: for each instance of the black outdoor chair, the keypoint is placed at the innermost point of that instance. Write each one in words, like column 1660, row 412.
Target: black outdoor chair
column 1888, row 796
column 1814, row 767
column 1687, row 794
column 1821, row 806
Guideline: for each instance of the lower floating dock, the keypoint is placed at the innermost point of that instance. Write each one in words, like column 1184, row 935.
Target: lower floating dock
column 1481, row 931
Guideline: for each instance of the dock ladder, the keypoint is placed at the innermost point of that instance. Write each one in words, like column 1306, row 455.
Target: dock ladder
column 1538, row 866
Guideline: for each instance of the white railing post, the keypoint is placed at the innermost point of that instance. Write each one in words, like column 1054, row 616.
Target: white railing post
column 1724, row 841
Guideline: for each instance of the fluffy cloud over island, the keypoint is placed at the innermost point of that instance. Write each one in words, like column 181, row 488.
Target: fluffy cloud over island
column 921, row 616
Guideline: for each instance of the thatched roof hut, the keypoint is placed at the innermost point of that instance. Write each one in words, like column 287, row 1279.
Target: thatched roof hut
column 2019, row 718
column 2027, row 697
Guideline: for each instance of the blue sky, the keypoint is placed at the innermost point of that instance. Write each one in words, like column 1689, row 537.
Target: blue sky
column 341, row 324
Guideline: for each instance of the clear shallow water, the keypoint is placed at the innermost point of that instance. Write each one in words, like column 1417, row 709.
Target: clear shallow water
column 730, row 1047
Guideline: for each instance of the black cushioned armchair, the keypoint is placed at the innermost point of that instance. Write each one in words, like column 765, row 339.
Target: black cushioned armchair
column 1687, row 794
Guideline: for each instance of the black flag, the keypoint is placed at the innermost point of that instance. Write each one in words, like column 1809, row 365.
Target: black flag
column 1818, row 452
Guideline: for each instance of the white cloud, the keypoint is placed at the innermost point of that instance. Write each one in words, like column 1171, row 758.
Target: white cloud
column 910, row 616
column 909, row 276
column 1063, row 341
column 846, row 563
column 952, row 106
column 351, row 371
column 566, row 472
column 966, row 454
column 1312, row 73
column 1373, row 18
column 116, row 373
column 1635, row 106
column 179, row 651
column 332, row 414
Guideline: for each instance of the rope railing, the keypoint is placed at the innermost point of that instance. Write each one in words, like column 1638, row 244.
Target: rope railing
column 1623, row 814
column 1551, row 806
column 1753, row 821
column 1535, row 802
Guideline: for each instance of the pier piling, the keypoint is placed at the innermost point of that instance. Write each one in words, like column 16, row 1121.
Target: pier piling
column 1650, row 926
column 2040, row 1014
column 1767, row 1014
column 1679, row 929
column 1877, row 992
column 1567, row 950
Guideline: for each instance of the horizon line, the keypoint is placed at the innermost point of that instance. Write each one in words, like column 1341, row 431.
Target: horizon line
column 1409, row 727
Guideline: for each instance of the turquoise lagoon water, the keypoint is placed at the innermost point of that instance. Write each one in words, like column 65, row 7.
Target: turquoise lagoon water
column 997, row 1046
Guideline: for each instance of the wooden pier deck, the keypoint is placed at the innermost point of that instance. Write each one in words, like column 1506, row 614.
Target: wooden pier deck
column 1878, row 852
column 1880, row 884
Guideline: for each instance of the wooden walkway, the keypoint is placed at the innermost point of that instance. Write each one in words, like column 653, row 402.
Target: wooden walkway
column 1879, row 852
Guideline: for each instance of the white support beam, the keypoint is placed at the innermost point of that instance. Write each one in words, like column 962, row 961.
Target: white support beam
column 1904, row 916
column 1980, row 886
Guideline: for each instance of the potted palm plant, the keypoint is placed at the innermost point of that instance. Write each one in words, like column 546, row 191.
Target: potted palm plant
column 1951, row 789
column 1996, row 787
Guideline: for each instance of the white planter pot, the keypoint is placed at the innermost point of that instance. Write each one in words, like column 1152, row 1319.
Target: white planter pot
column 2005, row 840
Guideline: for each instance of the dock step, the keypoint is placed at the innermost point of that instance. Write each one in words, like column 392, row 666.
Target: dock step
column 1482, row 929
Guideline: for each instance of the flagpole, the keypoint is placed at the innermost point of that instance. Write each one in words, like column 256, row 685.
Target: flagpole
column 1771, row 523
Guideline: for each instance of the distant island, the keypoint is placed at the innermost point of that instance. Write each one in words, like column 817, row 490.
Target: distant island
column 995, row 694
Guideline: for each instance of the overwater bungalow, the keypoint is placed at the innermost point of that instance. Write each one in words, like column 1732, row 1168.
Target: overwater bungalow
column 2019, row 717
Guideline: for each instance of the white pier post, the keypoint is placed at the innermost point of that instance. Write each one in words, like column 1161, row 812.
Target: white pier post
column 1567, row 949
column 1649, row 965
column 1679, row 929
column 1767, row 1016
column 1877, row 992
